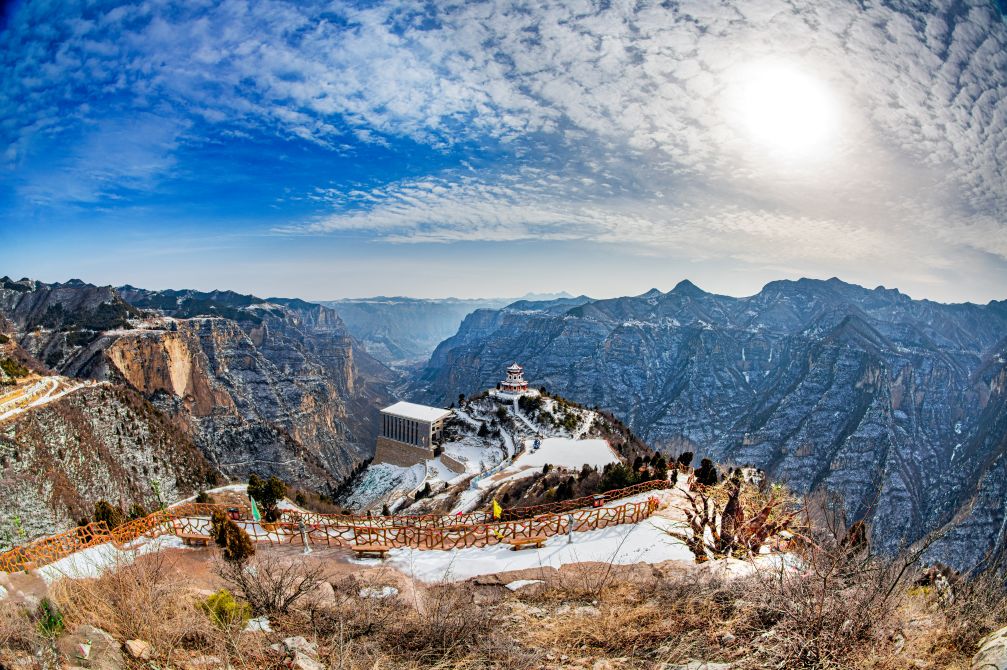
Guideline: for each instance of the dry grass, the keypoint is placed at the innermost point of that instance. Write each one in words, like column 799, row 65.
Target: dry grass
column 152, row 600
column 19, row 636
column 843, row 609
column 146, row 599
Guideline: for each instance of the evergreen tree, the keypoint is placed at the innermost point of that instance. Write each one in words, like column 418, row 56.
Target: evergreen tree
column 234, row 542
column 267, row 493
column 707, row 474
column 685, row 459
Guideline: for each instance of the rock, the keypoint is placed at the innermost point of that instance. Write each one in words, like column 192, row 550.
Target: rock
column 90, row 647
column 487, row 595
column 304, row 662
column 258, row 625
column 139, row 649
column 992, row 654
column 324, row 593
column 727, row 639
column 698, row 665
column 378, row 592
column 299, row 645
column 204, row 663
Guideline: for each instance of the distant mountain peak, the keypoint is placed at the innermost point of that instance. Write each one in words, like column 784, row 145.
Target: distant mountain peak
column 686, row 287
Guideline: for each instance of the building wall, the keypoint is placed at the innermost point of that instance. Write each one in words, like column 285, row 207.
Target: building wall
column 454, row 466
column 399, row 453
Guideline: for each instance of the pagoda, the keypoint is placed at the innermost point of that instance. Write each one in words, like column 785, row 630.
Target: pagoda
column 515, row 382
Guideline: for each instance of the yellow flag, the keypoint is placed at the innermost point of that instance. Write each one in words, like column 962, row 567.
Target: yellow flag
column 497, row 510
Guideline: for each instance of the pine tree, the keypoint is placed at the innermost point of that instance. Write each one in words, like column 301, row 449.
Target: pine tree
column 234, row 542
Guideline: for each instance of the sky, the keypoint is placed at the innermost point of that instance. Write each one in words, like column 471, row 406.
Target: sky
column 346, row 149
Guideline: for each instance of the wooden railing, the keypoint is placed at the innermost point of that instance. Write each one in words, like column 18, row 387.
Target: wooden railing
column 431, row 531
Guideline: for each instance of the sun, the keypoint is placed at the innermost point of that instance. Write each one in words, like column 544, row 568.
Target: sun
column 784, row 110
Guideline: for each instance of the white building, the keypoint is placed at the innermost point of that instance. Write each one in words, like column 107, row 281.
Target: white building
column 409, row 433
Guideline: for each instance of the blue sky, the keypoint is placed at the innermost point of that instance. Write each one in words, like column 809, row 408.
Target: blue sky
column 494, row 148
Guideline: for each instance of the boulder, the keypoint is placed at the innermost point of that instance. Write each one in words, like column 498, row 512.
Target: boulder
column 93, row 648
column 992, row 654
column 297, row 645
column 324, row 593
column 304, row 662
column 139, row 649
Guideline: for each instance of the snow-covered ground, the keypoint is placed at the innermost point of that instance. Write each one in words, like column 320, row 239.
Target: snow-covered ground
column 645, row 542
column 384, row 481
column 44, row 391
column 473, row 452
column 566, row 452
column 94, row 561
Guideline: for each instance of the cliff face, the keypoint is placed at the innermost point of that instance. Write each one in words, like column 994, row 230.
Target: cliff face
column 896, row 404
column 258, row 386
column 98, row 442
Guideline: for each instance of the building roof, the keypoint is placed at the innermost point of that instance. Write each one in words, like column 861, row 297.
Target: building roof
column 410, row 410
column 515, row 368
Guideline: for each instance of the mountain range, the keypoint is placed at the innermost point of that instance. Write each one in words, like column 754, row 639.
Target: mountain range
column 898, row 405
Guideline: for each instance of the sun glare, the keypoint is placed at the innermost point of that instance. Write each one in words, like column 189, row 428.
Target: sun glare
column 784, row 110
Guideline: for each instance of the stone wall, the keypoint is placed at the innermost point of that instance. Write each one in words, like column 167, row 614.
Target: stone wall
column 399, row 453
column 452, row 465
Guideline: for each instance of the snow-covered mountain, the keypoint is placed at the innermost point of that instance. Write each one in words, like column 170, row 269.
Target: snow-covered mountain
column 897, row 404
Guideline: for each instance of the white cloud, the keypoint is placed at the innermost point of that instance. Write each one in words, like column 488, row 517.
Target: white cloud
column 611, row 120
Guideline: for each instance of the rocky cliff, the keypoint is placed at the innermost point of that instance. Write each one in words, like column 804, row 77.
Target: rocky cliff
column 271, row 387
column 897, row 404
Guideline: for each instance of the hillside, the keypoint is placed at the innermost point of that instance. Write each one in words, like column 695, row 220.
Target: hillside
column 92, row 442
column 489, row 452
column 897, row 404
column 256, row 386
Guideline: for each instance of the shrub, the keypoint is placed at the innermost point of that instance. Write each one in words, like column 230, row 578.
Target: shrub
column 203, row 498
column 13, row 368
column 685, row 459
column 271, row 585
column 224, row 611
column 974, row 607
column 236, row 546
column 734, row 519
column 147, row 599
column 112, row 515
column 49, row 619
column 137, row 511
column 18, row 631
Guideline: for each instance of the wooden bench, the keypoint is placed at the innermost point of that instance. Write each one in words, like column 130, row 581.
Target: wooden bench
column 519, row 543
column 194, row 538
column 362, row 550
